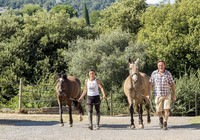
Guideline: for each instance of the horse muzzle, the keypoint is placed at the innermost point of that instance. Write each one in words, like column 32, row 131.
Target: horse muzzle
column 61, row 92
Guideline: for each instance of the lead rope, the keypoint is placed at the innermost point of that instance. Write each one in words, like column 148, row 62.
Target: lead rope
column 152, row 106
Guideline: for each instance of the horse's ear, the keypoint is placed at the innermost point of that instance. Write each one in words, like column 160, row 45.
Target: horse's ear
column 57, row 75
column 64, row 76
column 129, row 60
column 137, row 61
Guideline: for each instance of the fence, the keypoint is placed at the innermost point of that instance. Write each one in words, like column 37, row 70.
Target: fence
column 43, row 96
column 36, row 96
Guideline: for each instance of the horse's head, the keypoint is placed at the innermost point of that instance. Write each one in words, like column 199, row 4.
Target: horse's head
column 133, row 69
column 60, row 85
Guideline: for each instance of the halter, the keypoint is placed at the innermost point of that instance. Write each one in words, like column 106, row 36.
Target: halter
column 134, row 75
column 60, row 86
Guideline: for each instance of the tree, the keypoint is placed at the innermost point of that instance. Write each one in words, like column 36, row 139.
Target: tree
column 86, row 15
column 95, row 16
column 65, row 8
column 30, row 47
column 124, row 14
column 108, row 54
column 30, row 9
column 172, row 33
column 9, row 24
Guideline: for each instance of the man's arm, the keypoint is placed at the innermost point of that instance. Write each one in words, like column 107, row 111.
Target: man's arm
column 174, row 91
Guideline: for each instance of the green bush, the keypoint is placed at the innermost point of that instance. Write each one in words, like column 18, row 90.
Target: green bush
column 187, row 87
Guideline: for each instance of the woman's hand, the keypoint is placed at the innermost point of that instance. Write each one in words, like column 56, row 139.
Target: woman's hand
column 80, row 99
column 104, row 96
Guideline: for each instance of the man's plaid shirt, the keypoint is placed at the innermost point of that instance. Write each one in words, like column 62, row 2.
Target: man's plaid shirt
column 161, row 83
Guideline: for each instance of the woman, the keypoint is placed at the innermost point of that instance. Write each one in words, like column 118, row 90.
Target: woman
column 92, row 86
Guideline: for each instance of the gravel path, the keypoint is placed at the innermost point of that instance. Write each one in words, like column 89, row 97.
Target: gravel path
column 47, row 127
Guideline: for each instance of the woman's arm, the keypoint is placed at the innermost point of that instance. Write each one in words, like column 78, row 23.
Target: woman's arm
column 102, row 89
column 84, row 92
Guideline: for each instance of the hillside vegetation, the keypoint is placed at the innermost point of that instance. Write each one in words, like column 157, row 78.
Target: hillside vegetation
column 78, row 5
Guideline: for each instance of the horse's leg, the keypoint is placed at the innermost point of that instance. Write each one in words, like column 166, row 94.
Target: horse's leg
column 147, row 106
column 70, row 115
column 132, row 120
column 61, row 112
column 140, row 112
column 131, row 109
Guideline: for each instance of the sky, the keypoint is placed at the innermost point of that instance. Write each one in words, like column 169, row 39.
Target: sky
column 157, row 1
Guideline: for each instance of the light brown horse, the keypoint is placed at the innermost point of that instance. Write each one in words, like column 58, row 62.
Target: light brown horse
column 68, row 90
column 136, row 89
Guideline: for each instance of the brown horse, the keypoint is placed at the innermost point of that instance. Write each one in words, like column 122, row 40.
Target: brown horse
column 68, row 90
column 136, row 88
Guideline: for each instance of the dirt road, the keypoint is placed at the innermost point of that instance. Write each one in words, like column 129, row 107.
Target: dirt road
column 47, row 127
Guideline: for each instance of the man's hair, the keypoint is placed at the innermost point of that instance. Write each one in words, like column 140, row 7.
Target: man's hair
column 161, row 61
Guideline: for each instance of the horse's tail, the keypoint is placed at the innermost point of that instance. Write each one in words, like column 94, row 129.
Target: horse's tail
column 75, row 103
column 78, row 106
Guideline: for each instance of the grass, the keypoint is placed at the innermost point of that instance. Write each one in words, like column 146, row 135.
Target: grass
column 196, row 120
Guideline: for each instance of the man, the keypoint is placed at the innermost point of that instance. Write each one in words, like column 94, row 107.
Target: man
column 162, row 81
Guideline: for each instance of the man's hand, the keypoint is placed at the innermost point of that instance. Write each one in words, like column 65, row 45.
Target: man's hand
column 174, row 98
column 148, row 96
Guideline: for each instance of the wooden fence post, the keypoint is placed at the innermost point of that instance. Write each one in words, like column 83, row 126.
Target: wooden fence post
column 111, row 104
column 196, row 106
column 20, row 94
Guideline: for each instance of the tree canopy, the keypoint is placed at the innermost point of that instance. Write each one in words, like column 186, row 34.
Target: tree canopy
column 172, row 33
column 124, row 14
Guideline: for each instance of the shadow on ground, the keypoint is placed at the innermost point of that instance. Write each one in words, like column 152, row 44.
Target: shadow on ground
column 115, row 126
column 27, row 122
column 176, row 127
column 188, row 126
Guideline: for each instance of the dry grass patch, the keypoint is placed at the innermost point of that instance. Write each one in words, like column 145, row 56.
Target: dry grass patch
column 196, row 120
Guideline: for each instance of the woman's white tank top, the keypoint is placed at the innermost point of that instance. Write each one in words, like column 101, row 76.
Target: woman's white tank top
column 92, row 88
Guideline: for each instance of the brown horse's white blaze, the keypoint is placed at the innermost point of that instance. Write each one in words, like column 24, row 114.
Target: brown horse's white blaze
column 136, row 89
column 68, row 90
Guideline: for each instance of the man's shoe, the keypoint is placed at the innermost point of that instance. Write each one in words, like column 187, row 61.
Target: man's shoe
column 161, row 122
column 165, row 126
column 90, row 127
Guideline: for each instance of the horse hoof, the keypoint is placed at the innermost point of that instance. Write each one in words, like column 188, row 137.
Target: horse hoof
column 81, row 118
column 141, row 126
column 149, row 121
column 62, row 124
column 70, row 125
column 132, row 126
